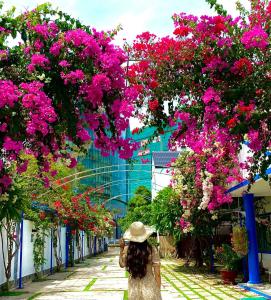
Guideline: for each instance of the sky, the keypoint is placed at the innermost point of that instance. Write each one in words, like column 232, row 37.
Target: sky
column 135, row 16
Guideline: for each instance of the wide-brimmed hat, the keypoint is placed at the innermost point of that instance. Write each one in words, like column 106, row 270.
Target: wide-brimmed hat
column 138, row 232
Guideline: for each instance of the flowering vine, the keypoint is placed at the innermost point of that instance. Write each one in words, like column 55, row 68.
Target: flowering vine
column 204, row 82
column 60, row 82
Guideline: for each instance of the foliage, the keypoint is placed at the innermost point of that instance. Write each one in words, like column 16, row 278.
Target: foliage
column 211, row 84
column 139, row 208
column 239, row 240
column 38, row 251
column 153, row 241
column 166, row 211
column 29, row 194
column 227, row 257
column 9, row 246
column 59, row 82
column 79, row 213
column 195, row 195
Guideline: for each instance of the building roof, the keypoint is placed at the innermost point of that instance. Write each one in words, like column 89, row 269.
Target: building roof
column 162, row 159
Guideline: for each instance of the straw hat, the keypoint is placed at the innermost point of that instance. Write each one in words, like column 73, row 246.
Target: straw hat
column 138, row 232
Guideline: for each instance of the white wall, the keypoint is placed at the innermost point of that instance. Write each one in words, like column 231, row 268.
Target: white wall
column 160, row 179
column 266, row 260
column 27, row 254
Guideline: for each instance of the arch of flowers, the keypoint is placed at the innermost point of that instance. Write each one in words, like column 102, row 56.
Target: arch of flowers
column 210, row 82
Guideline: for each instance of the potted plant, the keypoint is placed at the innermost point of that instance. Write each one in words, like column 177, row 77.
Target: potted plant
column 230, row 261
column 239, row 241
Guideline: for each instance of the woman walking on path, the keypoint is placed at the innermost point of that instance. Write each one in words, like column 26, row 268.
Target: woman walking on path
column 142, row 261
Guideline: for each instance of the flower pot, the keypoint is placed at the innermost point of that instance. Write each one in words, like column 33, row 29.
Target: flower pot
column 228, row 277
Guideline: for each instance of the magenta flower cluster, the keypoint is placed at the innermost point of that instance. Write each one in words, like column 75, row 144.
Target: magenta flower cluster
column 73, row 83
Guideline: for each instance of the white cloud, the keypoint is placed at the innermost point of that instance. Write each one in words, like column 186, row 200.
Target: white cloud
column 230, row 6
column 65, row 5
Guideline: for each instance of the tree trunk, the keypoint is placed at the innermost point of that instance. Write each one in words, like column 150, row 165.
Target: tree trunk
column 56, row 241
column 198, row 253
column 8, row 244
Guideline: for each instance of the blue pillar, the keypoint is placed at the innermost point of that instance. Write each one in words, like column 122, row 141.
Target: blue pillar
column 82, row 245
column 253, row 259
column 90, row 245
column 51, row 259
column 67, row 246
column 21, row 253
column 212, row 261
column 95, row 245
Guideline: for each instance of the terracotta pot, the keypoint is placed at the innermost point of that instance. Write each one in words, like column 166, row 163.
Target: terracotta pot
column 228, row 277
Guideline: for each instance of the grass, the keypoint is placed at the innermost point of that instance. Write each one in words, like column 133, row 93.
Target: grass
column 88, row 287
column 126, row 274
column 34, row 296
column 125, row 295
column 104, row 267
column 11, row 293
column 193, row 282
column 175, row 287
column 185, row 284
column 227, row 290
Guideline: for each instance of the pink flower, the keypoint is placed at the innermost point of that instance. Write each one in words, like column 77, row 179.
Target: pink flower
column 38, row 45
column 101, row 81
column 145, row 161
column 5, row 181
column 64, row 64
column 56, row 48
column 73, row 77
column 46, row 30
column 73, row 163
column 54, row 173
column 215, row 63
column 3, row 55
column 83, row 134
column 22, row 167
column 9, row 93
column 210, row 94
column 255, row 37
column 38, row 60
column 92, row 94
column 46, row 182
column 11, row 145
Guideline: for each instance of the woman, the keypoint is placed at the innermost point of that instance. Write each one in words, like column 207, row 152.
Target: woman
column 142, row 262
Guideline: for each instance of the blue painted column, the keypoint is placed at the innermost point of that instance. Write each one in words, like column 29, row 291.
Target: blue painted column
column 95, row 245
column 212, row 260
column 21, row 253
column 90, row 245
column 51, row 253
column 67, row 246
column 82, row 245
column 253, row 259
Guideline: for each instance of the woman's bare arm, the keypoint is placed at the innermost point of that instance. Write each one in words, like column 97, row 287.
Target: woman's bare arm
column 157, row 274
column 122, row 258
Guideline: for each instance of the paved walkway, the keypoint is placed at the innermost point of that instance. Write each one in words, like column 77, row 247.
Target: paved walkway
column 101, row 278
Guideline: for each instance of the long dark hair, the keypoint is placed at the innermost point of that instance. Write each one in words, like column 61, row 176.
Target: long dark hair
column 137, row 259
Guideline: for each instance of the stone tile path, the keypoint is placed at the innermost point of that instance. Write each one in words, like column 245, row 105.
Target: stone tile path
column 101, row 278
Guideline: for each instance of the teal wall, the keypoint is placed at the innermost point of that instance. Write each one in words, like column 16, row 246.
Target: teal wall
column 141, row 174
column 109, row 172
